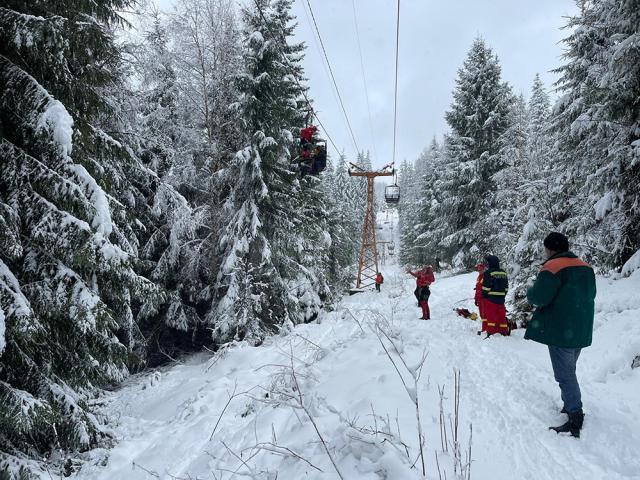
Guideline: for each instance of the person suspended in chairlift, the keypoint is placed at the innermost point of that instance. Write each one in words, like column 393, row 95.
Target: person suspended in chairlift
column 313, row 155
column 307, row 141
column 319, row 159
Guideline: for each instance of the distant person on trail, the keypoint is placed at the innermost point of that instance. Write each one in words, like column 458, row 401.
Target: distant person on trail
column 563, row 294
column 479, row 300
column 424, row 278
column 494, row 290
column 379, row 281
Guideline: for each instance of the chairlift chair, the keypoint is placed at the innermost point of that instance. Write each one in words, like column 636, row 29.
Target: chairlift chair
column 312, row 157
column 392, row 194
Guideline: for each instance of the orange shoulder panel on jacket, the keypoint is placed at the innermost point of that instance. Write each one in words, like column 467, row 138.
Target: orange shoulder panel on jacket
column 557, row 264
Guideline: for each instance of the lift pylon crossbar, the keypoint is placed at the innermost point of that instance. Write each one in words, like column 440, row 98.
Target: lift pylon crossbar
column 368, row 257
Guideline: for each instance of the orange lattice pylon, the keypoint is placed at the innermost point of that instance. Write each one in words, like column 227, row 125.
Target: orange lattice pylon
column 368, row 258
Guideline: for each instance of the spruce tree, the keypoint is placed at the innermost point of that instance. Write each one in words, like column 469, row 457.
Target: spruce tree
column 425, row 248
column 598, row 119
column 72, row 207
column 534, row 197
column 478, row 117
column 345, row 220
column 504, row 220
column 407, row 209
column 261, row 233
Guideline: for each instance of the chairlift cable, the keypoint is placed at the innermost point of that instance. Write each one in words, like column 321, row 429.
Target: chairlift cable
column 344, row 111
column 395, row 95
column 319, row 50
column 293, row 72
column 364, row 79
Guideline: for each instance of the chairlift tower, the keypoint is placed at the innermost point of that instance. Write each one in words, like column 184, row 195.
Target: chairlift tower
column 368, row 258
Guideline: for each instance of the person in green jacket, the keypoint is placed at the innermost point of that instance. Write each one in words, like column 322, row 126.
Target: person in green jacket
column 563, row 294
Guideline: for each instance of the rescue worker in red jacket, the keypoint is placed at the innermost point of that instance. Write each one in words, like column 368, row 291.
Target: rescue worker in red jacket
column 424, row 278
column 479, row 300
column 307, row 141
column 379, row 281
column 494, row 290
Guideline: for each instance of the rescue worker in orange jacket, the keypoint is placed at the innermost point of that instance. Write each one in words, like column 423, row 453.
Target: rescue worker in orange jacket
column 494, row 290
column 424, row 278
column 479, row 300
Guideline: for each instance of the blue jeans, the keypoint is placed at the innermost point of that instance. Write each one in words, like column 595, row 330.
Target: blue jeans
column 563, row 361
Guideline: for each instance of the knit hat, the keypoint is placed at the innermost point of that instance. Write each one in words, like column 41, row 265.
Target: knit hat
column 492, row 261
column 557, row 242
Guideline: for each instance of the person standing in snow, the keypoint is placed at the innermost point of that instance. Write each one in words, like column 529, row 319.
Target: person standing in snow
column 494, row 290
column 564, row 294
column 479, row 300
column 424, row 278
column 379, row 281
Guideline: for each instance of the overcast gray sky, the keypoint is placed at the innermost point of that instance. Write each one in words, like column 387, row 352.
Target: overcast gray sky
column 435, row 36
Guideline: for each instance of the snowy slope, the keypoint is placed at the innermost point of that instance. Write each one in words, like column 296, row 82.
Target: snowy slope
column 165, row 420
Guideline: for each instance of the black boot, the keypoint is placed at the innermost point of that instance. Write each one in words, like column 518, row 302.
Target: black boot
column 564, row 410
column 573, row 426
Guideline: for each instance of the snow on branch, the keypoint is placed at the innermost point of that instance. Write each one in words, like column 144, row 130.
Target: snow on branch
column 631, row 265
column 59, row 123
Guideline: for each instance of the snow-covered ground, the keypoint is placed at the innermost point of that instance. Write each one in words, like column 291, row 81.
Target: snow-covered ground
column 175, row 423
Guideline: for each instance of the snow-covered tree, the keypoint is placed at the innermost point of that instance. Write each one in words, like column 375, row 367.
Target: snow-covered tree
column 173, row 139
column 529, row 188
column 345, row 218
column 267, row 235
column 478, row 118
column 428, row 171
column 504, row 220
column 72, row 209
column 598, row 121
column 408, row 181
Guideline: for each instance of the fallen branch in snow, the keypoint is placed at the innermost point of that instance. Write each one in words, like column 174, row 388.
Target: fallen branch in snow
column 283, row 451
column 150, row 472
column 285, row 390
column 311, row 419
column 414, row 372
column 218, row 354
column 233, row 395
column 356, row 320
column 243, row 463
column 384, row 430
